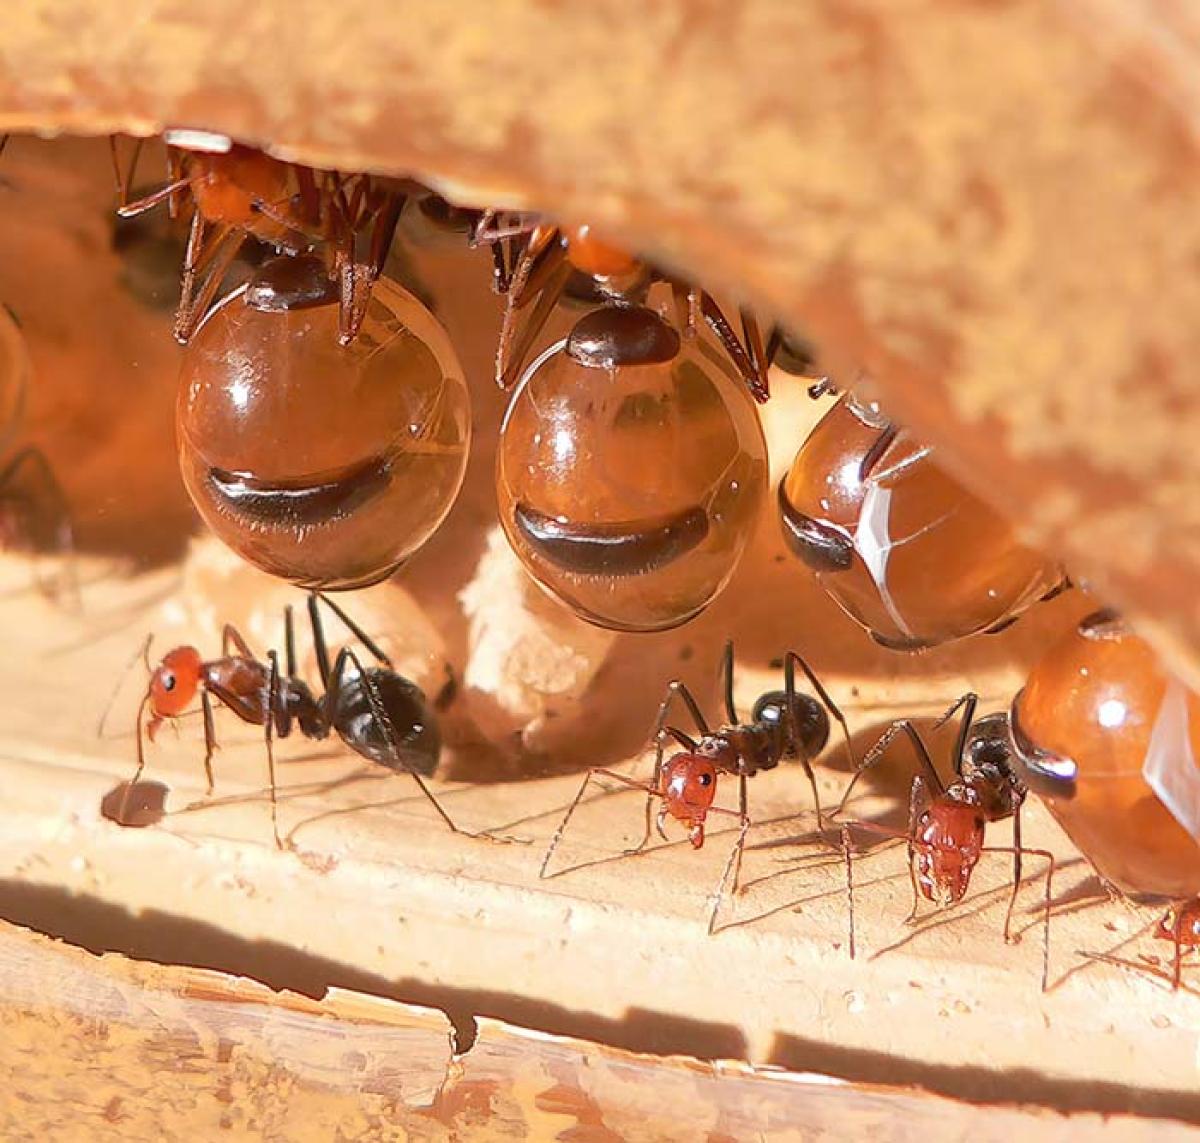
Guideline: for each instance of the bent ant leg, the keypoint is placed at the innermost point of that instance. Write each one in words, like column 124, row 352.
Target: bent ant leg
column 231, row 636
column 845, row 831
column 790, row 661
column 872, row 756
column 1050, row 867
column 594, row 772
column 358, row 633
column 46, row 520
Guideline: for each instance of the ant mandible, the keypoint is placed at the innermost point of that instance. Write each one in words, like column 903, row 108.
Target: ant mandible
column 783, row 724
column 946, row 830
column 375, row 711
column 535, row 272
column 240, row 192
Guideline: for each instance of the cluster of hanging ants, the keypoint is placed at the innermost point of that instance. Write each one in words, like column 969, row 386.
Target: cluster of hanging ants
column 348, row 222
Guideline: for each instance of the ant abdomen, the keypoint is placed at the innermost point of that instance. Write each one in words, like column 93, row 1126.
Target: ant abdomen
column 392, row 727
column 810, row 721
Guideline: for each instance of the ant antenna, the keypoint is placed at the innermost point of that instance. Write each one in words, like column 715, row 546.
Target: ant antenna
column 143, row 652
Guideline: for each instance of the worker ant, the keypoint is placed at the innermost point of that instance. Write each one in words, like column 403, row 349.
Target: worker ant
column 783, row 724
column 375, row 711
column 946, row 829
column 533, row 266
column 237, row 191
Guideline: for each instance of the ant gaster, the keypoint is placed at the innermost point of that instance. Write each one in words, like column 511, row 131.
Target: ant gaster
column 783, row 724
column 375, row 711
column 946, row 829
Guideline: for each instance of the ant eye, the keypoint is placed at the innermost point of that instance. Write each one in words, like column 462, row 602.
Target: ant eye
column 705, row 779
column 168, row 681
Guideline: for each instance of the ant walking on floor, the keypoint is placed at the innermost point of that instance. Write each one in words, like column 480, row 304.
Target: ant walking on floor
column 375, row 711
column 947, row 823
column 783, row 724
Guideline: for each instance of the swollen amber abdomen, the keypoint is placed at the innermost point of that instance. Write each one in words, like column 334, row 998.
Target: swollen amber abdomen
column 630, row 470
column 323, row 464
column 904, row 549
column 1111, row 742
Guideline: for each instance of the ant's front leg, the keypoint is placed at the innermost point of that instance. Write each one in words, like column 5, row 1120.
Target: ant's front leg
column 594, row 772
column 732, row 867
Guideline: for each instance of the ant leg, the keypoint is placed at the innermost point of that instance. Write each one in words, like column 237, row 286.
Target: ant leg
column 353, row 627
column 231, row 635
column 319, row 645
column 143, row 652
column 1050, row 868
column 210, row 739
column 289, row 641
column 594, row 772
column 141, row 205
column 752, row 336
column 915, row 798
column 678, row 688
column 967, row 704
column 733, row 865
column 901, row 725
column 727, row 683
column 379, row 713
column 269, row 734
column 213, row 260
column 790, row 662
column 516, row 341
column 849, row 882
column 719, row 324
column 46, row 518
column 1012, row 900
column 875, row 453
column 123, row 812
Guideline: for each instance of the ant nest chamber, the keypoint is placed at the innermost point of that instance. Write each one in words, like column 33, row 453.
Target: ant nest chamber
column 979, row 218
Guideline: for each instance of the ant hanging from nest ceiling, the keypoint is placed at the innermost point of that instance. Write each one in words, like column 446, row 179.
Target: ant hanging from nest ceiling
column 237, row 192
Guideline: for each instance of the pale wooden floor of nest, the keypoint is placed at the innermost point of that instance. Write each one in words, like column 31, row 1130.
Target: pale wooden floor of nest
column 373, row 892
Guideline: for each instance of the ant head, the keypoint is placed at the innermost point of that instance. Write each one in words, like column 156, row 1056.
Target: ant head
column 598, row 259
column 1181, row 923
column 689, row 783
column 174, row 682
column 948, row 844
column 809, row 726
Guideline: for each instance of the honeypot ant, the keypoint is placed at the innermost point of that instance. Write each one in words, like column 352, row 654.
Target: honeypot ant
column 541, row 258
column 783, row 724
column 239, row 191
column 946, row 830
column 375, row 711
